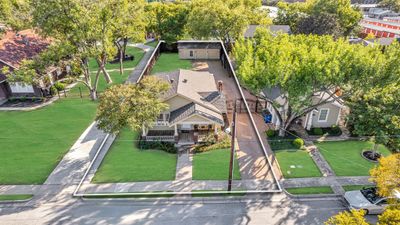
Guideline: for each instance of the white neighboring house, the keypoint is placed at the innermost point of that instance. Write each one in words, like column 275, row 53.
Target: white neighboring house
column 323, row 116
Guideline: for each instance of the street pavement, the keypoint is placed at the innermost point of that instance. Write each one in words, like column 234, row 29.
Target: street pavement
column 267, row 209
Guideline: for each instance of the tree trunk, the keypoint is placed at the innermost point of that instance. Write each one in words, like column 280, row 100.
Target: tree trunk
column 124, row 46
column 106, row 75
column 282, row 131
column 121, row 61
column 375, row 150
column 93, row 94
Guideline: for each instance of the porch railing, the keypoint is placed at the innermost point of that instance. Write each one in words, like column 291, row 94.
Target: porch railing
column 160, row 138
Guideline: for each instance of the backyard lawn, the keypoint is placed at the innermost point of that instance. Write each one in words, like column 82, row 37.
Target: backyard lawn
column 213, row 165
column 136, row 52
column 168, row 62
column 296, row 163
column 345, row 156
column 310, row 190
column 124, row 162
column 34, row 142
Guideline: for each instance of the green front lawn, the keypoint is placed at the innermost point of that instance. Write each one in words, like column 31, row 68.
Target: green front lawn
column 33, row 143
column 15, row 197
column 310, row 190
column 124, row 162
column 296, row 163
column 345, row 156
column 214, row 165
column 168, row 62
column 152, row 44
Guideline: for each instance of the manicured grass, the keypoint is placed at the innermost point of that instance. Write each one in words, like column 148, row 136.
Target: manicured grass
column 345, row 157
column 168, row 62
column 33, row 143
column 149, row 194
column 356, row 187
column 310, row 190
column 136, row 52
column 124, row 162
column 214, row 165
column 15, row 197
column 296, row 163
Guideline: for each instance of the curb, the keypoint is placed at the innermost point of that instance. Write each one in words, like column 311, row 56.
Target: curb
column 310, row 196
column 16, row 201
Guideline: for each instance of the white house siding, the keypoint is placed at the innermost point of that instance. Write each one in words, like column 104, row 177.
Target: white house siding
column 162, row 128
column 196, row 120
column 334, row 112
column 199, row 53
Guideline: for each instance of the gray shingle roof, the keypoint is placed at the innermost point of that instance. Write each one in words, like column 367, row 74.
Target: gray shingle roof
column 190, row 109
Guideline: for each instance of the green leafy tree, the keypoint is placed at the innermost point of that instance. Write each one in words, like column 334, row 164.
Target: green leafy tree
column 312, row 11
column 306, row 66
column 391, row 4
column 167, row 20
column 376, row 113
column 389, row 217
column 129, row 24
column 86, row 26
column 131, row 105
column 223, row 19
column 354, row 217
column 16, row 13
column 321, row 24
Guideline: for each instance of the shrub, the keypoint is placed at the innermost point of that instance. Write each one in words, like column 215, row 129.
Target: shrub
column 225, row 142
column 317, row 131
column 335, row 130
column 270, row 133
column 298, row 143
column 158, row 145
column 59, row 86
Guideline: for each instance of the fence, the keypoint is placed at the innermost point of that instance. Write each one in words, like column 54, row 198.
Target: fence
column 255, row 106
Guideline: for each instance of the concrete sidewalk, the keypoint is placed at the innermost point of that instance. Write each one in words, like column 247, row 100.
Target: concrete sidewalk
column 325, row 181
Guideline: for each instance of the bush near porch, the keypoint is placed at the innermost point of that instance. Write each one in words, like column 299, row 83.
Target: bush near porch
column 212, row 144
column 125, row 162
column 345, row 158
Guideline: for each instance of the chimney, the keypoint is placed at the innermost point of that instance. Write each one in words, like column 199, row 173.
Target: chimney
column 220, row 84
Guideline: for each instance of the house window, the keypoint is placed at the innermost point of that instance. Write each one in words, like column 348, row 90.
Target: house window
column 191, row 53
column 160, row 117
column 323, row 115
column 167, row 117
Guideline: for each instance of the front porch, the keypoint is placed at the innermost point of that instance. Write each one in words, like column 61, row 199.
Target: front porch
column 183, row 134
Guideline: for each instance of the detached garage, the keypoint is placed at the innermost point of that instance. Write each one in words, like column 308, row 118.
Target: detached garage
column 199, row 49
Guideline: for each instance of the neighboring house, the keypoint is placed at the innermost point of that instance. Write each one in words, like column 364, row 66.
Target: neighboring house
column 275, row 29
column 323, row 116
column 380, row 28
column 14, row 49
column 193, row 49
column 196, row 108
column 380, row 13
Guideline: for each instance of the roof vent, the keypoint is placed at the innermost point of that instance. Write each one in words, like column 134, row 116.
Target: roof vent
column 184, row 80
column 171, row 81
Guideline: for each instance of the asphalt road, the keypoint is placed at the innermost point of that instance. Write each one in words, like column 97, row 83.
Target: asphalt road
column 274, row 210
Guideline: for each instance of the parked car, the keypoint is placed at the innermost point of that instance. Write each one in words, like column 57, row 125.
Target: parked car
column 366, row 199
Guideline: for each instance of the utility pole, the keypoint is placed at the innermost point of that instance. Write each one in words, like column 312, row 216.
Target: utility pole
column 232, row 148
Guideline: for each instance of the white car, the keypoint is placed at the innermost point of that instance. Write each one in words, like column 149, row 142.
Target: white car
column 366, row 199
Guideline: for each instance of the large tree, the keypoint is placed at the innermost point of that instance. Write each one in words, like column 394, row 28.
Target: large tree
column 391, row 4
column 376, row 113
column 312, row 11
column 304, row 67
column 16, row 14
column 223, row 19
column 167, row 20
column 129, row 24
column 131, row 105
column 87, row 26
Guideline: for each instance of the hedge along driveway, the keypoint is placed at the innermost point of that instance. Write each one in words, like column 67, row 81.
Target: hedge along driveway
column 32, row 143
column 345, row 156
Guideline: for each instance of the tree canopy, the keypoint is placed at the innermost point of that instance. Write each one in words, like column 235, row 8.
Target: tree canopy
column 342, row 18
column 305, row 66
column 386, row 175
column 15, row 13
column 167, row 20
column 131, row 105
column 224, row 19
column 391, row 4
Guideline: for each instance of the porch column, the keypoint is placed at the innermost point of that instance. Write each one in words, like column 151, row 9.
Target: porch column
column 176, row 130
column 215, row 129
column 143, row 131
